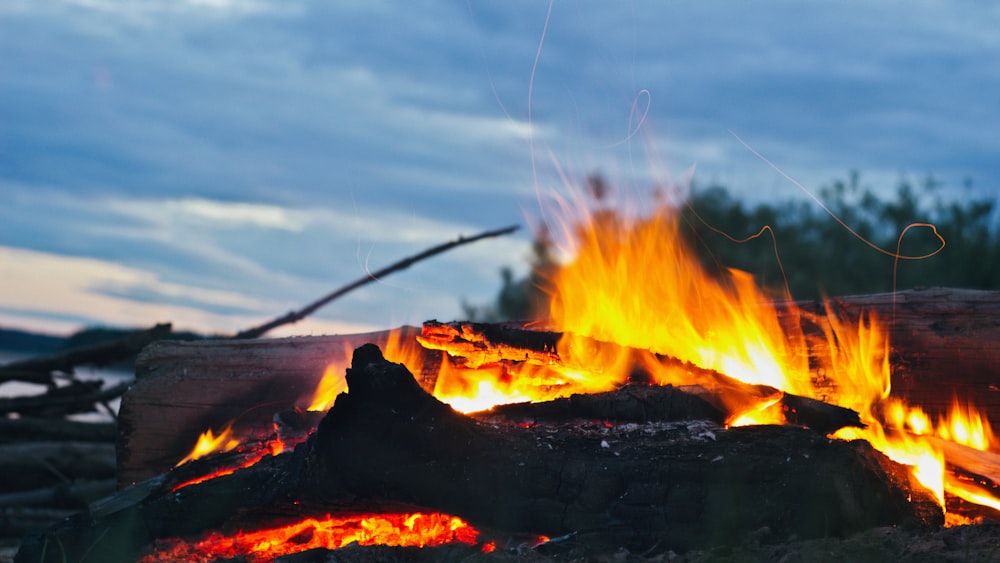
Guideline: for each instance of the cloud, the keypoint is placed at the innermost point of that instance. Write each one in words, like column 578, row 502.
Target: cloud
column 243, row 260
column 273, row 150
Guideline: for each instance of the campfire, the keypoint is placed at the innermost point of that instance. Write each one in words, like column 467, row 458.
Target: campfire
column 655, row 408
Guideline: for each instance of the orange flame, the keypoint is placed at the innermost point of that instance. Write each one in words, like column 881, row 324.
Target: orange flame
column 406, row 529
column 209, row 443
column 634, row 281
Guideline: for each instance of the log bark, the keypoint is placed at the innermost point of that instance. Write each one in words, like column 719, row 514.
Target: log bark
column 653, row 487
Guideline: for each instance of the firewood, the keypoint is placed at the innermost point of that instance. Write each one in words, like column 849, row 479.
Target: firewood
column 77, row 397
column 33, row 465
column 945, row 343
column 75, row 494
column 34, row 369
column 478, row 344
column 16, row 521
column 26, row 429
column 658, row 487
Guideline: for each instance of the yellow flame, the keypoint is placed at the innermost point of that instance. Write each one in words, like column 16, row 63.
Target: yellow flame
column 209, row 443
column 330, row 385
column 635, row 282
column 965, row 425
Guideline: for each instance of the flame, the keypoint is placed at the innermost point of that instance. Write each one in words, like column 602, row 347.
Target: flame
column 330, row 385
column 403, row 529
column 634, row 281
column 965, row 425
column 209, row 443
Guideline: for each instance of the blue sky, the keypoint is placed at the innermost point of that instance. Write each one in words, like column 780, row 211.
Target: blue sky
column 216, row 163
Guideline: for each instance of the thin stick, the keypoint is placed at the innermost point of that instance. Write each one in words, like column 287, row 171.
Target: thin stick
column 295, row 316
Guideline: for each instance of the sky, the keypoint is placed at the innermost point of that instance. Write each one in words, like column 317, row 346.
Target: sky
column 217, row 163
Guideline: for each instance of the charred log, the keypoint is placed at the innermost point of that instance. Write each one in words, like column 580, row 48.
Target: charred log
column 478, row 344
column 643, row 487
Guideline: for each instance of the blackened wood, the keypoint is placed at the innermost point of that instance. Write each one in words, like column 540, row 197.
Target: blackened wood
column 945, row 343
column 642, row 487
column 389, row 438
column 630, row 403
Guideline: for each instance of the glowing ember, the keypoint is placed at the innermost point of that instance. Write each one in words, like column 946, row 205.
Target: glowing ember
column 271, row 447
column 408, row 529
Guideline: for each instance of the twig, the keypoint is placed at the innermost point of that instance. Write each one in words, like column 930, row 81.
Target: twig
column 79, row 396
column 295, row 316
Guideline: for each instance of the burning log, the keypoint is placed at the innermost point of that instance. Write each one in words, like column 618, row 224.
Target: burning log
column 387, row 442
column 478, row 344
column 184, row 388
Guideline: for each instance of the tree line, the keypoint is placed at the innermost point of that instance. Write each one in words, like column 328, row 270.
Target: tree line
column 813, row 251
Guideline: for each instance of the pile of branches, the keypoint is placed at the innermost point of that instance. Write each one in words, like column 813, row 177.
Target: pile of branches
column 52, row 463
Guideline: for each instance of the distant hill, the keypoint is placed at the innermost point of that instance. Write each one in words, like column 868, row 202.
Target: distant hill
column 25, row 342
column 30, row 343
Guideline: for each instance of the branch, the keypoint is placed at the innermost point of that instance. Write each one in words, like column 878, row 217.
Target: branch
column 39, row 369
column 295, row 316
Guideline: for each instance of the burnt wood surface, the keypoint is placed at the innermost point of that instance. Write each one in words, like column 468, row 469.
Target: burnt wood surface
column 653, row 486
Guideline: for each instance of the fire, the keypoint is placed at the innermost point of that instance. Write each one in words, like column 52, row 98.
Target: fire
column 209, row 443
column 964, row 425
column 403, row 529
column 633, row 282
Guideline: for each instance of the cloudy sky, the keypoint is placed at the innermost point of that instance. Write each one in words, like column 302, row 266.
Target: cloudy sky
column 216, row 163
